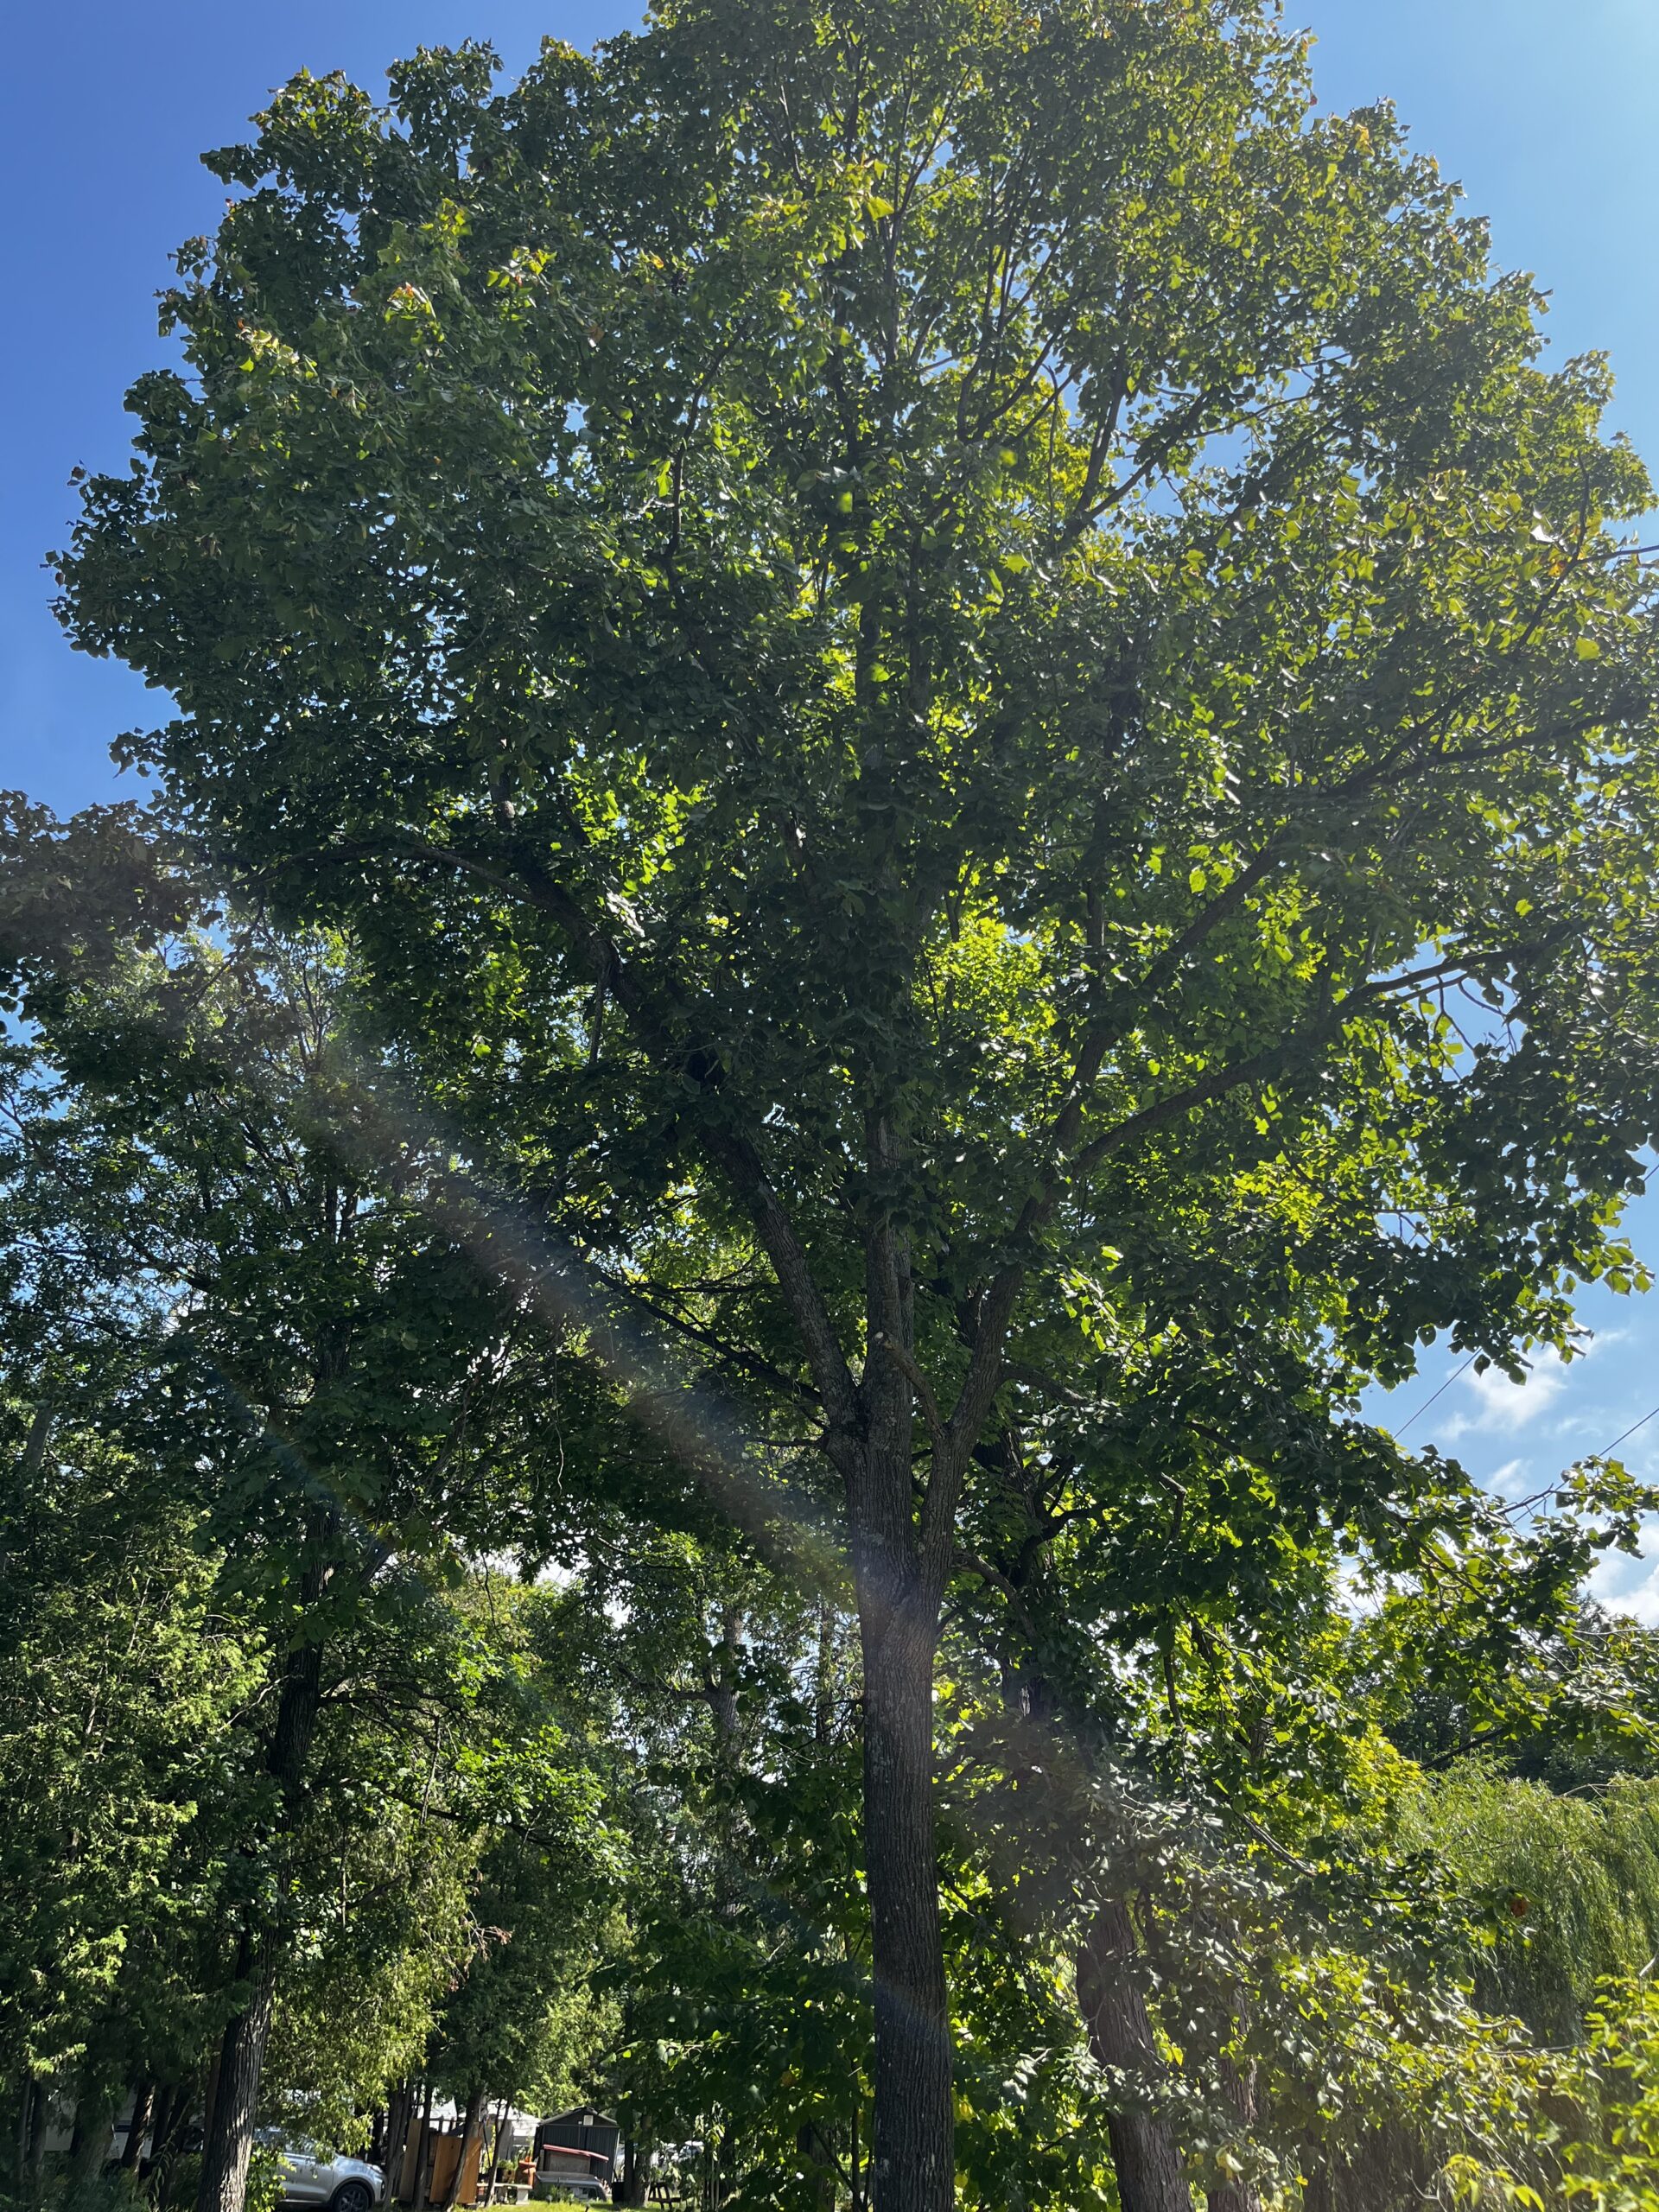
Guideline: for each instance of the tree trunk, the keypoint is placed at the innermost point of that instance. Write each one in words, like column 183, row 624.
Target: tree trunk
column 229, row 2140
column 635, row 2185
column 399, row 2113
column 820, row 2167
column 39, row 2124
column 1239, row 2083
column 469, row 2131
column 913, row 2160
column 1144, row 2155
column 144, row 2098
column 721, row 1682
column 824, row 1688
column 501, row 2112
column 26, row 2102
column 89, row 2145
column 171, row 2113
column 228, row 2137
column 423, row 2153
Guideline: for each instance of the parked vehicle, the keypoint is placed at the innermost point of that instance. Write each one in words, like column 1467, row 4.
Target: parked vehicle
column 314, row 2174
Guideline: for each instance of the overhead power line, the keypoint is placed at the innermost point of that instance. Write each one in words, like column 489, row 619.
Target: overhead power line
column 1440, row 1393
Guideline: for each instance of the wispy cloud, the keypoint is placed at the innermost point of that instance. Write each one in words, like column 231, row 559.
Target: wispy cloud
column 1629, row 1586
column 1512, row 1479
column 1503, row 1406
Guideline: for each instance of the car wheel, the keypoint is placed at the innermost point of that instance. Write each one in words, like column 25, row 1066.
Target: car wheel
column 352, row 2196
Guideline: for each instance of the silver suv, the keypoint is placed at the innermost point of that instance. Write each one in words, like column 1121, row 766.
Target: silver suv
column 313, row 2175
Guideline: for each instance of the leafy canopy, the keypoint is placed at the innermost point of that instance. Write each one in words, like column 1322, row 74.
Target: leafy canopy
column 976, row 627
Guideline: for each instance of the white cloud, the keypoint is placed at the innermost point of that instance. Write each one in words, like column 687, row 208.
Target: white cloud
column 1629, row 1586
column 1512, row 1479
column 1503, row 1405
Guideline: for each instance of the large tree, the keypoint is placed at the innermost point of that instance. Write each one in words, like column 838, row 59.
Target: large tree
column 933, row 654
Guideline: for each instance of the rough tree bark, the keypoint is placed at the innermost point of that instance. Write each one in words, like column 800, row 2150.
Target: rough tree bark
column 228, row 2141
column 901, row 1562
column 1150, row 2176
column 914, row 2160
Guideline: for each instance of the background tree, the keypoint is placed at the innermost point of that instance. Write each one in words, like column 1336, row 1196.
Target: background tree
column 321, row 1392
column 123, row 1679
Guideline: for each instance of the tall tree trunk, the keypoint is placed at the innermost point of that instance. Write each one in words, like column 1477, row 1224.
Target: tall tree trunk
column 400, row 2115
column 1148, row 2161
column 28, row 2098
column 901, row 1565
column 824, row 1689
column 722, row 1681
column 635, row 2184
column 501, row 2112
column 423, row 2153
column 228, row 2139
column 144, row 2098
column 40, row 2127
column 914, row 2161
column 228, row 2144
column 820, row 2166
column 1239, row 2083
column 469, row 2132
column 170, row 2111
column 89, row 2145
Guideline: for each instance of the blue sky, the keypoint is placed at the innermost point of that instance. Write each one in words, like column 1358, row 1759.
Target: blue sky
column 1546, row 111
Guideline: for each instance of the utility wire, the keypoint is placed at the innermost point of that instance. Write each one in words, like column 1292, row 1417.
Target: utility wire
column 1605, row 1453
column 1442, row 1392
column 1607, row 1450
